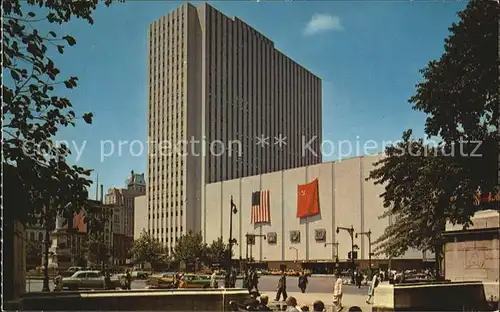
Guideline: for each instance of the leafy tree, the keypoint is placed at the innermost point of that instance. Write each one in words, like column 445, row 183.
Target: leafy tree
column 33, row 252
column 41, row 182
column 146, row 249
column 98, row 251
column 460, row 95
column 218, row 251
column 426, row 186
column 191, row 249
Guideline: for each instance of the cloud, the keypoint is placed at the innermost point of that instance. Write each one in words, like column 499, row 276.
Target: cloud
column 322, row 22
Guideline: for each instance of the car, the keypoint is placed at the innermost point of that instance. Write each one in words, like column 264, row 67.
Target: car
column 88, row 280
column 161, row 280
column 197, row 281
column 292, row 273
column 139, row 275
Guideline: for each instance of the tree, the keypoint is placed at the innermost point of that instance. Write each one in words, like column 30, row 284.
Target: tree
column 98, row 251
column 41, row 182
column 191, row 249
column 218, row 251
column 426, row 186
column 33, row 253
column 146, row 249
column 460, row 94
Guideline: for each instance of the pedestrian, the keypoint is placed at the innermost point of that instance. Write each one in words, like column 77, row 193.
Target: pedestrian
column 303, row 282
column 281, row 289
column 183, row 283
column 246, row 281
column 371, row 290
column 227, row 280
column 232, row 279
column 359, row 279
column 337, row 293
column 291, row 305
column 213, row 280
column 254, row 279
column 57, row 281
column 128, row 278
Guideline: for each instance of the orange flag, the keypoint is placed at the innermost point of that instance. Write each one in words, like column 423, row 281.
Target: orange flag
column 308, row 199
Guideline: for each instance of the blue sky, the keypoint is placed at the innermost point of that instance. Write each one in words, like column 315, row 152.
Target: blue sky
column 368, row 54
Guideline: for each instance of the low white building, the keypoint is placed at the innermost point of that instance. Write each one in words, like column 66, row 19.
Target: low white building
column 345, row 198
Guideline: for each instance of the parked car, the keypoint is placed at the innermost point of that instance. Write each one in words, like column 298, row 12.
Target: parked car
column 160, row 281
column 88, row 280
column 292, row 273
column 197, row 281
column 139, row 275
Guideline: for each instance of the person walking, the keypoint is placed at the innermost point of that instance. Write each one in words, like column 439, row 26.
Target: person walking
column 213, row 281
column 246, row 281
column 337, row 294
column 227, row 280
column 128, row 278
column 371, row 290
column 303, row 282
column 232, row 279
column 254, row 279
column 281, row 289
column 359, row 279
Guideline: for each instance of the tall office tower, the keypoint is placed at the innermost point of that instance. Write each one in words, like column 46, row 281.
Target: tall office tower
column 224, row 103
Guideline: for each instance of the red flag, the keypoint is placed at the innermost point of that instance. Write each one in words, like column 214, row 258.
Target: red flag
column 308, row 199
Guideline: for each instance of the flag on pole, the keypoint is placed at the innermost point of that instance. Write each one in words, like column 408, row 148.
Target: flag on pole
column 260, row 207
column 308, row 199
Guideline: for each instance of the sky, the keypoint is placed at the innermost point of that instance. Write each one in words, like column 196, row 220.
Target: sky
column 367, row 53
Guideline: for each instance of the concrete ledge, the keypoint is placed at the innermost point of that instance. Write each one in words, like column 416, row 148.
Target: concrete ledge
column 442, row 296
column 137, row 300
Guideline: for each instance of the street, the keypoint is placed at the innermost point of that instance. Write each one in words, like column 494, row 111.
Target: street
column 267, row 284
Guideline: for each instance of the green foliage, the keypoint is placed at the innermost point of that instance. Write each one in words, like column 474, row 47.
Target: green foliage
column 33, row 252
column 146, row 249
column 425, row 186
column 218, row 251
column 190, row 248
column 460, row 94
column 41, row 182
column 98, row 251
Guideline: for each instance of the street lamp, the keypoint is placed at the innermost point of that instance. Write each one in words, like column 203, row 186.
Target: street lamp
column 351, row 233
column 251, row 241
column 369, row 235
column 335, row 257
column 232, row 240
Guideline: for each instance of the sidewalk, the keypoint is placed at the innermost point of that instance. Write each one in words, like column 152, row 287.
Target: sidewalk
column 348, row 300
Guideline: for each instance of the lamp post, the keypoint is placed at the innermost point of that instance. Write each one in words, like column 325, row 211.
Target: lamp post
column 232, row 241
column 335, row 257
column 351, row 233
column 369, row 235
column 251, row 241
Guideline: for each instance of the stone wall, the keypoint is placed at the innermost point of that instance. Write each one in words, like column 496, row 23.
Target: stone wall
column 473, row 254
column 433, row 297
column 135, row 300
column 476, row 260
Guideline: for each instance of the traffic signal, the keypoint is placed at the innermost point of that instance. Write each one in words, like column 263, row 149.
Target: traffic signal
column 355, row 255
column 349, row 255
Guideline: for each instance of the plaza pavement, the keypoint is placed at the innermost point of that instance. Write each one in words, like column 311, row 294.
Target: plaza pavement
column 348, row 300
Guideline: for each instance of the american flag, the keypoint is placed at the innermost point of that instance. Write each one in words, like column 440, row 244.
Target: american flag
column 260, row 207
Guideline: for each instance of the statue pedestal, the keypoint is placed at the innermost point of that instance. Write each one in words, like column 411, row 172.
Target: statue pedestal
column 60, row 255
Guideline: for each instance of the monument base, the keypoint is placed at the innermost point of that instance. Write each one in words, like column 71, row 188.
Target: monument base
column 439, row 296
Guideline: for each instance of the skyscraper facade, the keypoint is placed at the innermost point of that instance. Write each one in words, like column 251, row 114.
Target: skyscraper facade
column 224, row 104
